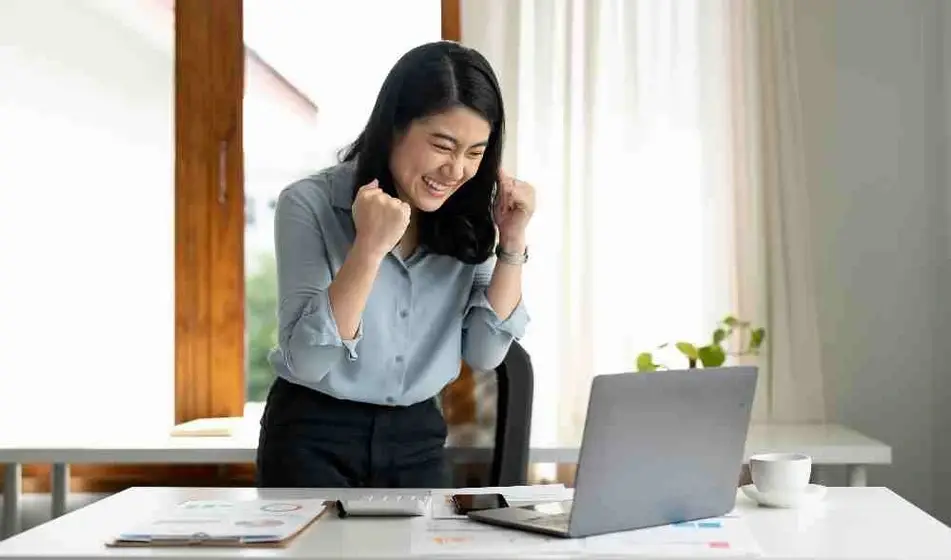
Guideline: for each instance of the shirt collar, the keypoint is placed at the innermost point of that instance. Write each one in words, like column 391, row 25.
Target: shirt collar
column 342, row 184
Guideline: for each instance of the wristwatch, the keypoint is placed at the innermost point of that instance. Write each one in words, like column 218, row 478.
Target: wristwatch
column 511, row 258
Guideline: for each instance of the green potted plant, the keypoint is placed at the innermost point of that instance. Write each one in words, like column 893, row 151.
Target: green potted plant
column 713, row 354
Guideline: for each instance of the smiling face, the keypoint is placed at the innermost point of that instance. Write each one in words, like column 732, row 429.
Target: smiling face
column 436, row 155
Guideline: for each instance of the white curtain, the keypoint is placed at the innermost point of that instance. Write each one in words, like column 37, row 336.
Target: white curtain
column 655, row 218
column 796, row 382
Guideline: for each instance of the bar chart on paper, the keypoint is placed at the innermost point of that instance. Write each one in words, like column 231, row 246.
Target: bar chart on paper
column 721, row 536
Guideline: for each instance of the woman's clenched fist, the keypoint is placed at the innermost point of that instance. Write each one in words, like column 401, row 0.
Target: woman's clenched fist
column 380, row 219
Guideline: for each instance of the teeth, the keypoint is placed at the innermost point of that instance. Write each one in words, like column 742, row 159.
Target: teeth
column 434, row 185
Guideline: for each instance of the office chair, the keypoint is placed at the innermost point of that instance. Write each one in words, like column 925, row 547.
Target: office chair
column 504, row 395
column 513, row 424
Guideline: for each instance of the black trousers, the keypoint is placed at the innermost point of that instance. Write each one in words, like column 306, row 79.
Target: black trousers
column 312, row 440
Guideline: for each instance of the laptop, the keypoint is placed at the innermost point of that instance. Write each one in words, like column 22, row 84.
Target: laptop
column 658, row 448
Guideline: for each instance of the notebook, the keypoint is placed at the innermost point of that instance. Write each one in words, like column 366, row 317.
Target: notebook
column 255, row 522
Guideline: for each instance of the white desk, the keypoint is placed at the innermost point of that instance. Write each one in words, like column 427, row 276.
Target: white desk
column 851, row 524
column 828, row 444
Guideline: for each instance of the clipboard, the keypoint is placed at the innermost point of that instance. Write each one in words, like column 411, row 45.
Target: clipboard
column 203, row 539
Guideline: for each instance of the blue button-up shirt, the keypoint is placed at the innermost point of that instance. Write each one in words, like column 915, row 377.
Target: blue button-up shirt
column 422, row 318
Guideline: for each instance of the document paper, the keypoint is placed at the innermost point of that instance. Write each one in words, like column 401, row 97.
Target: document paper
column 727, row 536
column 222, row 521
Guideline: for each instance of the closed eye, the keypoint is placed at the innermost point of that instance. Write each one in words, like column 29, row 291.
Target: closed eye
column 442, row 148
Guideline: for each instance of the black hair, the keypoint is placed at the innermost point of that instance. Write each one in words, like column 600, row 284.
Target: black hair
column 428, row 80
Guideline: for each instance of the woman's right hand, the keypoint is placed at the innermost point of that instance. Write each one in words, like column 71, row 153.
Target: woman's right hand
column 380, row 219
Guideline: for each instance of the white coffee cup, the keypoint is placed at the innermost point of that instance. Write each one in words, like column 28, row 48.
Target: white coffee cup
column 781, row 473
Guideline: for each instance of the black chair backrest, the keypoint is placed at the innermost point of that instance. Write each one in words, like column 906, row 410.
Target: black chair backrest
column 513, row 424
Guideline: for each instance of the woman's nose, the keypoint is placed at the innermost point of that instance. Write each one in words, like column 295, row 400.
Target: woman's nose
column 454, row 169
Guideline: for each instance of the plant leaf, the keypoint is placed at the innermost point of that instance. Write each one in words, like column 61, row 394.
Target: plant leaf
column 645, row 362
column 688, row 350
column 718, row 336
column 757, row 337
column 730, row 321
column 712, row 355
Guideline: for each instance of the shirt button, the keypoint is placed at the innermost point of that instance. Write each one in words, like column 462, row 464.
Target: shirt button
column 390, row 400
column 399, row 359
column 404, row 314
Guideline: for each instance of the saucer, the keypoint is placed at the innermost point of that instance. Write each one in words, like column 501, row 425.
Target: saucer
column 813, row 493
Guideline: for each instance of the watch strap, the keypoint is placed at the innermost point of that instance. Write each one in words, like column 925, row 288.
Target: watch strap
column 511, row 258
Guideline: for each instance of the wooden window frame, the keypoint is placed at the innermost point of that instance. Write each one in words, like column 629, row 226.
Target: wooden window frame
column 451, row 17
column 209, row 209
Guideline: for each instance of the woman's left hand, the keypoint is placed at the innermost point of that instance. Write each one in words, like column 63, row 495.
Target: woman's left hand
column 514, row 206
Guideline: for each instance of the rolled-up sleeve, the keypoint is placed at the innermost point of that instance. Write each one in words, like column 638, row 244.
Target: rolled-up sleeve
column 486, row 337
column 308, row 337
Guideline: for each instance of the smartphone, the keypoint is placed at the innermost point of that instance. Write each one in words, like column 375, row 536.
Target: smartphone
column 464, row 503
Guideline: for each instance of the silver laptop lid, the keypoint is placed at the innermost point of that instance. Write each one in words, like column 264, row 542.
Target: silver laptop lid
column 661, row 447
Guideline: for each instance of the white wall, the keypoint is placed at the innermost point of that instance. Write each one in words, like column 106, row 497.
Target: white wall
column 871, row 88
column 86, row 220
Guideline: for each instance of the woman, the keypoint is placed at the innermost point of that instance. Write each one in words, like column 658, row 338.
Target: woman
column 386, row 281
